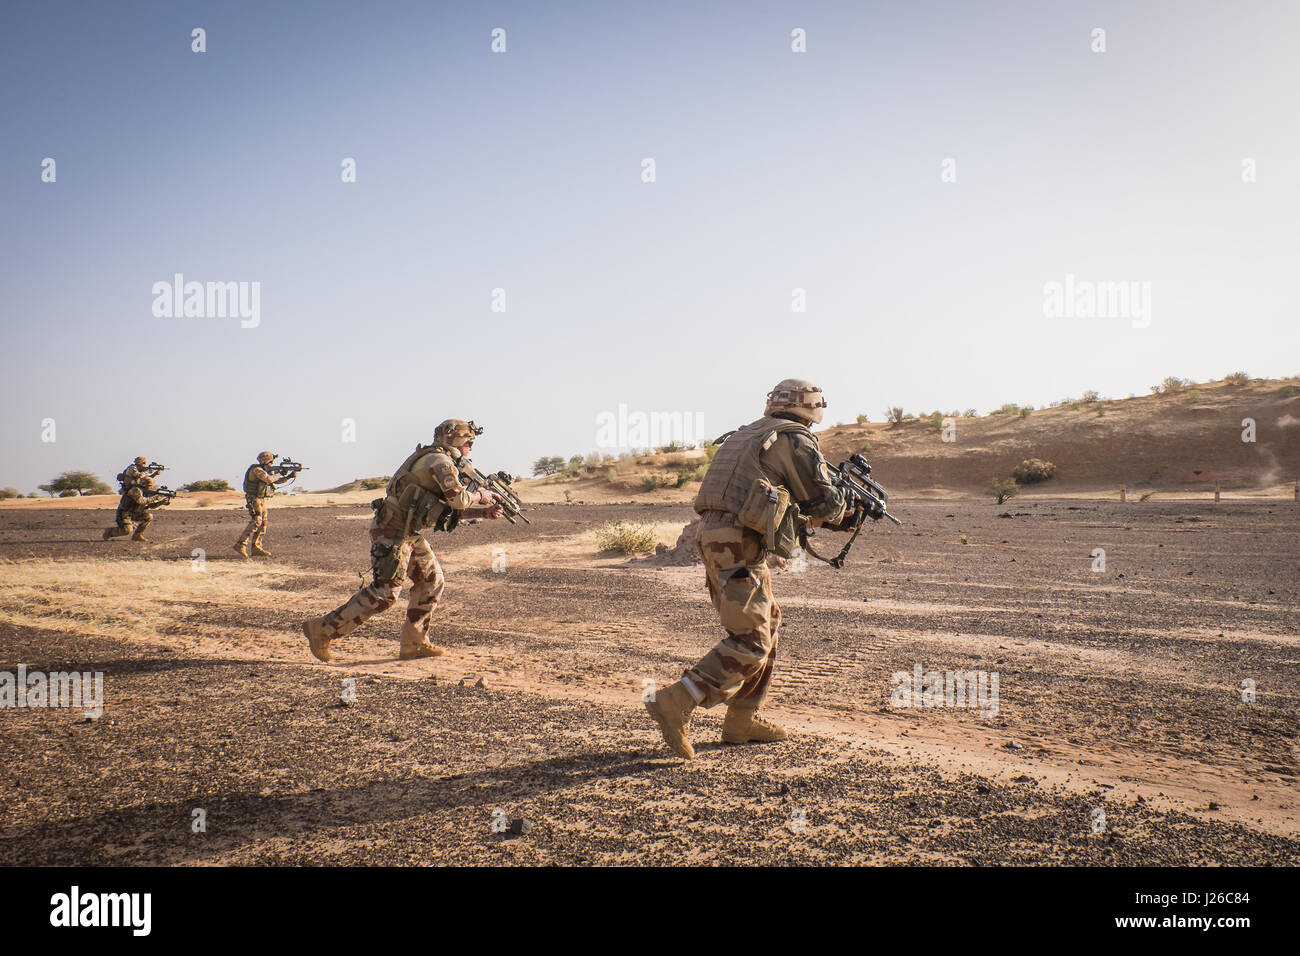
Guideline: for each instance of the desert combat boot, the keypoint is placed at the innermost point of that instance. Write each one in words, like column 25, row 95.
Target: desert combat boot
column 671, row 708
column 260, row 551
column 416, row 645
column 742, row 725
column 241, row 549
column 320, row 644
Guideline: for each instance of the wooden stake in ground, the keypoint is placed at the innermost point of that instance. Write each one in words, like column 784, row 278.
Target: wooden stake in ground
column 1123, row 492
column 1216, row 491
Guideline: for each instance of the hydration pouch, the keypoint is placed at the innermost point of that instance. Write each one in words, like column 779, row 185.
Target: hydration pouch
column 767, row 510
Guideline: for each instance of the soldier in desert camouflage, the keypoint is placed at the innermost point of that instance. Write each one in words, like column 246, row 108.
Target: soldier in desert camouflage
column 781, row 450
column 134, row 510
column 259, row 487
column 133, row 473
column 425, row 492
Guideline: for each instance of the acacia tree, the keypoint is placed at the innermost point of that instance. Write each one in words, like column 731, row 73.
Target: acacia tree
column 79, row 482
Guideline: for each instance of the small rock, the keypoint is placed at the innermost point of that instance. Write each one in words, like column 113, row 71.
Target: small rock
column 481, row 684
column 520, row 827
column 1012, row 745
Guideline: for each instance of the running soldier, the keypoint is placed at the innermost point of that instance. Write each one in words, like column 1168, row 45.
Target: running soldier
column 135, row 509
column 752, row 472
column 424, row 492
column 259, row 487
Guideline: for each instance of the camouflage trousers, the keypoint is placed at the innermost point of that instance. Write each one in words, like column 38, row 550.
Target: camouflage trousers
column 256, row 527
column 739, row 668
column 392, row 561
column 126, row 520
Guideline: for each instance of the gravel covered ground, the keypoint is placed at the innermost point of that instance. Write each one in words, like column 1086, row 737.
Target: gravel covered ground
column 1120, row 734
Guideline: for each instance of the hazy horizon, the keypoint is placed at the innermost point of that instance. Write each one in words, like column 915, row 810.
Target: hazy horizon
column 1156, row 176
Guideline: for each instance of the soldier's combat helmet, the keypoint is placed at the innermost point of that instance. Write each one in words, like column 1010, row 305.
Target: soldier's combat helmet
column 798, row 397
column 265, row 457
column 141, row 461
column 454, row 432
column 147, row 483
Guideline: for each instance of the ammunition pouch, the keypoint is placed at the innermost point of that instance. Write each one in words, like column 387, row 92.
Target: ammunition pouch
column 413, row 509
column 767, row 509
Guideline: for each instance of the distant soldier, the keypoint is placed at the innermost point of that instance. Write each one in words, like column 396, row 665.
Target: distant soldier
column 782, row 451
column 259, row 487
column 133, row 474
column 425, row 492
column 135, row 510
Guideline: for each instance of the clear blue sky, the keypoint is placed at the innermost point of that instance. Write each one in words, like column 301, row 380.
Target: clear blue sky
column 522, row 171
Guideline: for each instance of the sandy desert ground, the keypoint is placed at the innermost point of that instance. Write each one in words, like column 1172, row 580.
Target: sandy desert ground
column 1120, row 694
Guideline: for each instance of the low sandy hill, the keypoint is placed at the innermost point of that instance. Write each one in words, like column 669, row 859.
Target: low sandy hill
column 1183, row 441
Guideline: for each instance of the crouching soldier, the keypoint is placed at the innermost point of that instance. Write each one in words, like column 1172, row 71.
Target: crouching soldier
column 135, row 509
column 259, row 487
column 760, row 469
column 425, row 493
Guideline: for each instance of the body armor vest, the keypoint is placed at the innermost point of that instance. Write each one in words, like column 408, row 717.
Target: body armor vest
column 737, row 464
column 408, row 506
column 254, row 488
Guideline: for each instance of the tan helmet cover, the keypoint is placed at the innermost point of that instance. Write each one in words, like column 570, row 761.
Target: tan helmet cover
column 454, row 432
column 147, row 483
column 141, row 461
column 265, row 457
column 797, row 396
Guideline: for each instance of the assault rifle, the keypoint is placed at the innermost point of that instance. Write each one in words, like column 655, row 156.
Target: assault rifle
column 165, row 492
column 498, row 484
column 153, row 469
column 285, row 469
column 864, row 498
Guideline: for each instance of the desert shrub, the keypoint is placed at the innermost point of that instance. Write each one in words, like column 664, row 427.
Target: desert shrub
column 1236, row 378
column 1192, row 394
column 1286, row 391
column 370, row 484
column 709, row 451
column 625, row 537
column 208, row 484
column 672, row 446
column 67, row 493
column 688, row 474
column 1003, row 488
column 1145, row 495
column 937, row 421
column 1101, row 410
column 592, row 460
column 1090, row 396
column 1032, row 470
column 970, row 413
column 1170, row 385
column 864, row 449
column 9, row 493
column 203, row 503
column 862, row 419
column 1010, row 408
column 652, row 482
column 575, row 462
column 894, row 414
column 1025, row 410
column 547, row 466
